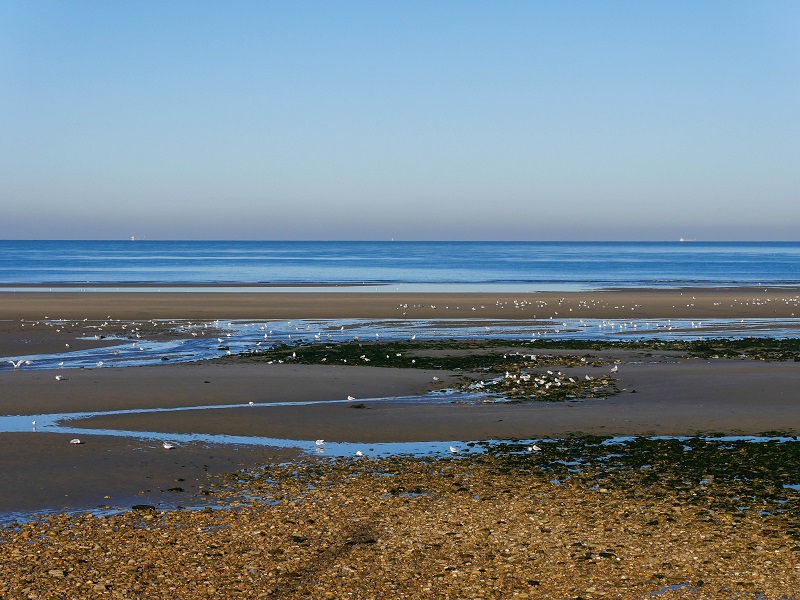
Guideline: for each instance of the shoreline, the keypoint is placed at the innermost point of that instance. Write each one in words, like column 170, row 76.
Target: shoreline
column 736, row 302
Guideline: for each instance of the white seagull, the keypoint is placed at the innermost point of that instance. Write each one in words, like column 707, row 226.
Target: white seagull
column 19, row 363
column 614, row 369
column 534, row 448
column 319, row 442
column 75, row 441
column 168, row 446
column 453, row 450
column 350, row 398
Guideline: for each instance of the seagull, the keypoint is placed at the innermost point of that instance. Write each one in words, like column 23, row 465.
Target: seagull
column 350, row 398
column 33, row 425
column 614, row 369
column 534, row 448
column 453, row 450
column 251, row 403
column 319, row 442
column 59, row 377
column 75, row 441
column 19, row 363
column 168, row 446
column 359, row 453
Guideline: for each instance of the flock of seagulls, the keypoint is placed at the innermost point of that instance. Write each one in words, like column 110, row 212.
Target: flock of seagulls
column 517, row 305
column 318, row 443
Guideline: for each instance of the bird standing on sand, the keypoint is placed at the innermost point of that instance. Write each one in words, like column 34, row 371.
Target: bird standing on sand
column 168, row 446
column 614, row 369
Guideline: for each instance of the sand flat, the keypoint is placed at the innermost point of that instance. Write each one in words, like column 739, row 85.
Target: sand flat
column 742, row 302
column 672, row 397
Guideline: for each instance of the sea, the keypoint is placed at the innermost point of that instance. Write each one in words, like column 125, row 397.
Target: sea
column 389, row 265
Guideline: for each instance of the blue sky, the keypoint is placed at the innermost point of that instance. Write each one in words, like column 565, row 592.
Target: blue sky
column 560, row 120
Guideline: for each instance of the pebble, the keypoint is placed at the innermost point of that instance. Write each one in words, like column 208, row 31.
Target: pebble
column 411, row 528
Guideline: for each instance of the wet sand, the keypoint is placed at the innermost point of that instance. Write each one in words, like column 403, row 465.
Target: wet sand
column 670, row 399
column 41, row 470
column 751, row 302
column 44, row 471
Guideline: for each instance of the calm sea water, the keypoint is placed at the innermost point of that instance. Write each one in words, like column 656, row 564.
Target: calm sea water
column 471, row 265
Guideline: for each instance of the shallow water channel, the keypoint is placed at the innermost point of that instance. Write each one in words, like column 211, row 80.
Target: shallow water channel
column 203, row 341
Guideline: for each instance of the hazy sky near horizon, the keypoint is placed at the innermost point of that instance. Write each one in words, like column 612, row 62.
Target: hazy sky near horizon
column 518, row 120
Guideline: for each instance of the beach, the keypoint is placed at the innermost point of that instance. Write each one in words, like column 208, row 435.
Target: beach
column 658, row 394
column 672, row 397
